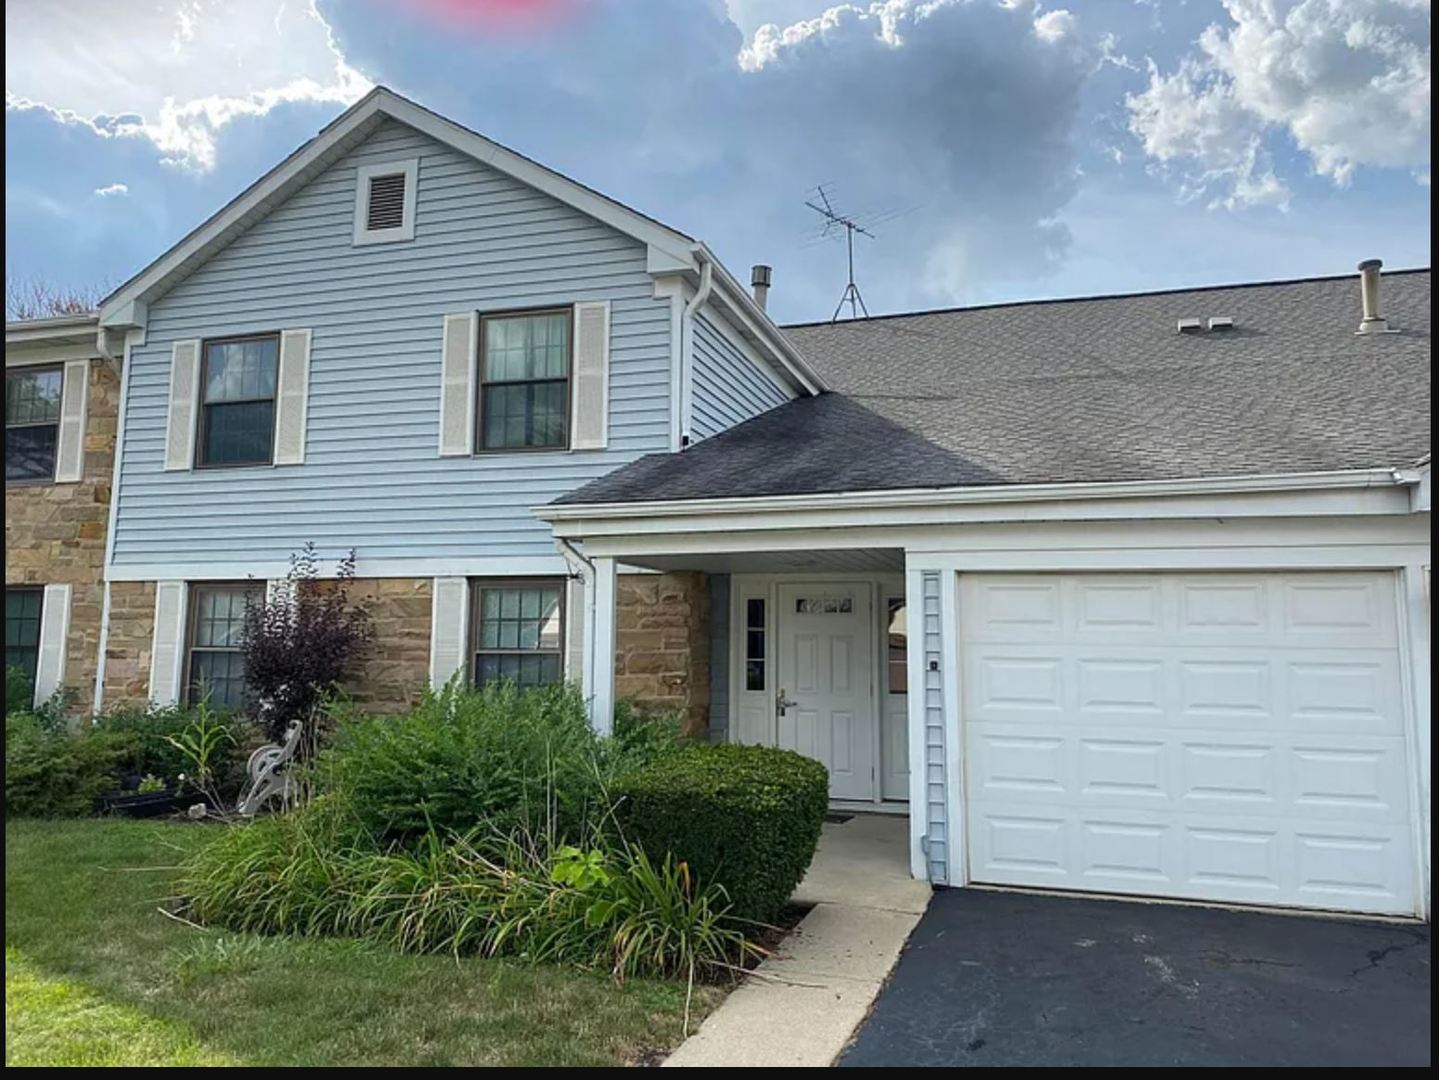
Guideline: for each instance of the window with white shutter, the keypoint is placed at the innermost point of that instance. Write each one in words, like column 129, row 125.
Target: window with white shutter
column 591, row 396
column 70, row 452
column 167, row 651
column 457, row 384
column 54, row 635
column 292, row 397
column 184, row 395
column 449, row 628
column 385, row 202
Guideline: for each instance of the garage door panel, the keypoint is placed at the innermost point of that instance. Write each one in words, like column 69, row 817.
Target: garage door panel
column 1229, row 737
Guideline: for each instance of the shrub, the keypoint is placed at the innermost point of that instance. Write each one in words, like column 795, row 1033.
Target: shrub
column 52, row 773
column 18, row 691
column 301, row 641
column 462, row 757
column 746, row 818
column 155, row 737
column 312, row 873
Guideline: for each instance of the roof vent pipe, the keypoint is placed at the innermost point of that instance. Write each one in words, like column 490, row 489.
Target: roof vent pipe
column 1373, row 322
column 759, row 276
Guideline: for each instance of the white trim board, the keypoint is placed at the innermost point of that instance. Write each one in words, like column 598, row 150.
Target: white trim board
column 273, row 569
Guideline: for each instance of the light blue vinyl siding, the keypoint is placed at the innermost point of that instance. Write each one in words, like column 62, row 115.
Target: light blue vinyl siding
column 727, row 387
column 937, row 820
column 372, row 476
column 719, row 586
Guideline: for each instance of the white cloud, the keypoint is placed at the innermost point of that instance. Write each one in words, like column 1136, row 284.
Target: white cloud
column 174, row 72
column 1346, row 80
column 110, row 190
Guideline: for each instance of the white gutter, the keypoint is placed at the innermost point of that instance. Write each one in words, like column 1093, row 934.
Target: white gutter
column 98, row 706
column 586, row 571
column 696, row 302
column 997, row 493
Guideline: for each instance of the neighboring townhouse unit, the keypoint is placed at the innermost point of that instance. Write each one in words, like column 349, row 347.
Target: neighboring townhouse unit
column 1125, row 594
column 61, row 404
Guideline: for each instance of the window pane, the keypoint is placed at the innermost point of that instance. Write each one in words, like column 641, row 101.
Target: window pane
column 523, row 622
column 22, row 629
column 221, row 674
column 754, row 613
column 527, row 347
column 238, row 434
column 754, row 644
column 240, row 370
column 220, row 617
column 30, row 452
column 32, row 397
column 898, row 648
column 522, row 415
column 754, row 675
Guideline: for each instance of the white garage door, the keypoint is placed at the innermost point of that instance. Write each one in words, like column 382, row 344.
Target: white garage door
column 1231, row 737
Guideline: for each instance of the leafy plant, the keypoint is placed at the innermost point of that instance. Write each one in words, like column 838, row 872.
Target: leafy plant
column 19, row 693
column 746, row 818
column 302, row 641
column 51, row 773
column 150, row 784
column 150, row 733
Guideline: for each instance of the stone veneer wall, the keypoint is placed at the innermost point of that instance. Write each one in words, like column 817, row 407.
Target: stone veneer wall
column 395, row 669
column 55, row 534
column 132, row 636
column 662, row 648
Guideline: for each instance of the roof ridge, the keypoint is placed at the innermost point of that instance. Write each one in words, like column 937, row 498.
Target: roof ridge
column 963, row 308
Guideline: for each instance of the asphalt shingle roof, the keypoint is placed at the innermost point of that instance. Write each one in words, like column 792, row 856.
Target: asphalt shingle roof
column 1100, row 389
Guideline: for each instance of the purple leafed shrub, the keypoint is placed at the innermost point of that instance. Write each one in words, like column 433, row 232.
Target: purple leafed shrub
column 301, row 641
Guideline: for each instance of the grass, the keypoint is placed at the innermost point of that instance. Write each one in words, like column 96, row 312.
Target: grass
column 95, row 975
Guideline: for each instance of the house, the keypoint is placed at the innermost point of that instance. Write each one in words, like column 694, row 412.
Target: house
column 1125, row 594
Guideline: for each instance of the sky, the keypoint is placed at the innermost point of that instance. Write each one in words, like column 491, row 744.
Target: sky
column 994, row 149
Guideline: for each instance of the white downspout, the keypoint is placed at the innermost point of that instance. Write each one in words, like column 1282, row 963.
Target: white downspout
column 586, row 571
column 99, row 704
column 687, row 341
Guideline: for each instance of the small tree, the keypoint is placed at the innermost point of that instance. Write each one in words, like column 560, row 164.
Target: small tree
column 301, row 641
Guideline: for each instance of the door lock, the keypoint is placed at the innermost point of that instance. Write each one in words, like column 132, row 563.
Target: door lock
column 782, row 703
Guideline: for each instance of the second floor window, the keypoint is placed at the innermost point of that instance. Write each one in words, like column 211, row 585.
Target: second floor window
column 237, row 404
column 32, row 423
column 525, row 381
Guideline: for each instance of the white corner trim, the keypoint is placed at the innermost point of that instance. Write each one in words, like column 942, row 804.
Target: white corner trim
column 410, row 168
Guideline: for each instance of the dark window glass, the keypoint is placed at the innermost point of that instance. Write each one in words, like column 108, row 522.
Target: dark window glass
column 524, row 381
column 32, row 423
column 22, row 629
column 898, row 631
column 519, row 633
column 238, row 403
column 217, row 666
column 754, row 645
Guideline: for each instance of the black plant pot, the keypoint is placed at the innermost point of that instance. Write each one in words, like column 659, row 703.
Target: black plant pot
column 136, row 805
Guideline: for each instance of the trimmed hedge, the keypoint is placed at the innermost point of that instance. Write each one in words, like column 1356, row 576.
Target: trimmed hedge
column 746, row 818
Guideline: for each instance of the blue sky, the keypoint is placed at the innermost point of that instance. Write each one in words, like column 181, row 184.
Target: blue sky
column 1002, row 150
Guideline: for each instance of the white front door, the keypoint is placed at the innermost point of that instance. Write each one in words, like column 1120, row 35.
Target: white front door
column 825, row 676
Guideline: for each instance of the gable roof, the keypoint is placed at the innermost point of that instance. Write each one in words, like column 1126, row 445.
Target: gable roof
column 1079, row 391
column 669, row 248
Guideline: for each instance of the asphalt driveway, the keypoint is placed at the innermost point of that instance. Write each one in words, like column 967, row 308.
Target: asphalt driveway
column 992, row 978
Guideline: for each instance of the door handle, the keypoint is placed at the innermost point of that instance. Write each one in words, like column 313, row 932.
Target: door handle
column 782, row 703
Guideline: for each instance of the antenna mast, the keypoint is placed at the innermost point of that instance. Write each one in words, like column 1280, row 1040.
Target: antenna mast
column 834, row 221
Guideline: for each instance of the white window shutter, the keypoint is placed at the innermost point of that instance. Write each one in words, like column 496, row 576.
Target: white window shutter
column 70, row 451
column 54, row 633
column 460, row 353
column 292, row 396
column 167, row 653
column 449, row 628
column 590, row 420
column 184, row 402
column 575, row 631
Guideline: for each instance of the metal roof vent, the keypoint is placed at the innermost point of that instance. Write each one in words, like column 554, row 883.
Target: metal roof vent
column 1221, row 322
column 1190, row 326
column 1372, row 322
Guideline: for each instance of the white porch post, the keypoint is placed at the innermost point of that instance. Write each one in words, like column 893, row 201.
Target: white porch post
column 601, row 668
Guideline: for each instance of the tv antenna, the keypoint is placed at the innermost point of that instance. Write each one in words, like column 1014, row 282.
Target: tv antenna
column 833, row 222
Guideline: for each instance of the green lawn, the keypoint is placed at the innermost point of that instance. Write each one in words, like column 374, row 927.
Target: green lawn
column 95, row 975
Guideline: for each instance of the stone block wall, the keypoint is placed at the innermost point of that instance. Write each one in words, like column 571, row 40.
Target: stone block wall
column 662, row 648
column 55, row 534
column 397, row 665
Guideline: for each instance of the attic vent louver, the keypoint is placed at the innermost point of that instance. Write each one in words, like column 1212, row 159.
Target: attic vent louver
column 1190, row 326
column 1221, row 322
column 386, row 207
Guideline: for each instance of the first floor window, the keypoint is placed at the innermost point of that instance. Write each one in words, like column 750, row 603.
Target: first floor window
column 519, row 632
column 237, row 414
column 525, row 381
column 22, row 629
column 217, row 663
column 32, row 423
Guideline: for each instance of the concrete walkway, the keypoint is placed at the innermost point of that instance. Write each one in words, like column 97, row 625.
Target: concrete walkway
column 802, row 1004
